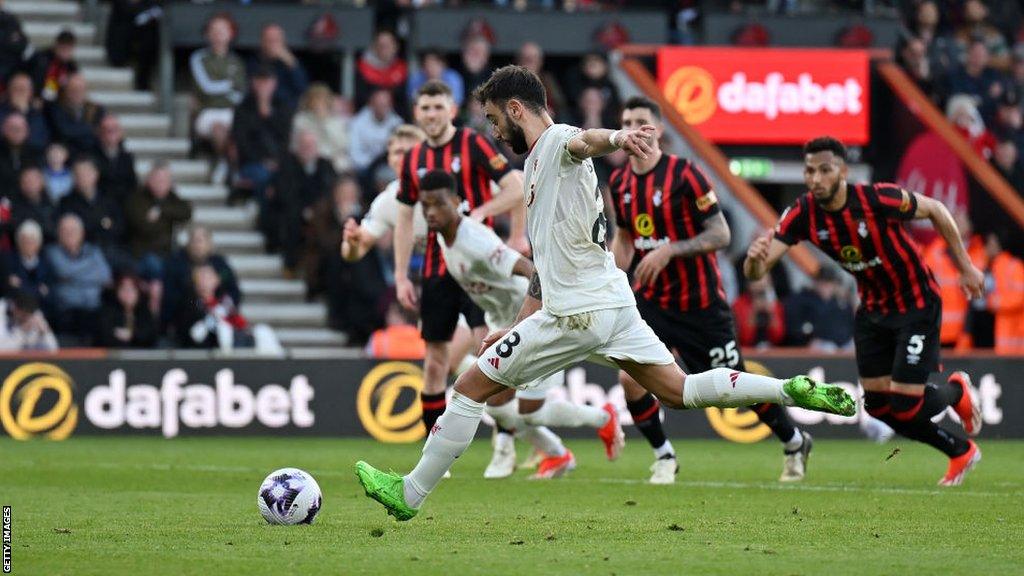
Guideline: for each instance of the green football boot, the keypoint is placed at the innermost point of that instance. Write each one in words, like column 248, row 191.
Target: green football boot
column 386, row 488
column 807, row 393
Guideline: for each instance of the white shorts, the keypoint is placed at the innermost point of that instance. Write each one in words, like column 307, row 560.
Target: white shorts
column 206, row 119
column 543, row 344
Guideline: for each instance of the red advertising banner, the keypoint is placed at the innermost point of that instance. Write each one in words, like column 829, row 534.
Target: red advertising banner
column 768, row 96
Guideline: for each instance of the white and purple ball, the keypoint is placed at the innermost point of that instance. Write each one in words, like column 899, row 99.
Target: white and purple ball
column 289, row 496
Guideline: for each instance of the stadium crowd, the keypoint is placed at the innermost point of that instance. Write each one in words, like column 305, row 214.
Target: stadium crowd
column 87, row 242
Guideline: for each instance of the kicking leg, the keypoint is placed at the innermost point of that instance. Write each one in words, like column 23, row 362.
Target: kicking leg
column 453, row 433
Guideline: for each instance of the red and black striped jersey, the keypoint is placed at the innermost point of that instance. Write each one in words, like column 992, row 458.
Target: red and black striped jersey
column 867, row 238
column 474, row 162
column 667, row 204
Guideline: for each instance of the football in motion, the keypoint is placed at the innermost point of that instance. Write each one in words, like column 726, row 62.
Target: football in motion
column 289, row 496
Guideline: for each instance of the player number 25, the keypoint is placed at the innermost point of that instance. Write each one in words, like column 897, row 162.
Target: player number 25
column 725, row 355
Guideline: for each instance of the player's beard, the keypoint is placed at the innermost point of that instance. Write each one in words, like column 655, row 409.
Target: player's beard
column 517, row 138
column 831, row 195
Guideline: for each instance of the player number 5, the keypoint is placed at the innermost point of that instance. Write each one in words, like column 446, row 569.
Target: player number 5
column 916, row 344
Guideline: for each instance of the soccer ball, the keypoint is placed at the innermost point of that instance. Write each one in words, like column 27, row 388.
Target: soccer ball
column 289, row 496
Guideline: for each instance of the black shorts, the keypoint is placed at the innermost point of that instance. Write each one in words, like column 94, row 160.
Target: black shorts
column 704, row 339
column 904, row 346
column 441, row 303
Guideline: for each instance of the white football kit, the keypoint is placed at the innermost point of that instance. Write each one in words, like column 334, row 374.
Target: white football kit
column 482, row 265
column 588, row 311
column 383, row 216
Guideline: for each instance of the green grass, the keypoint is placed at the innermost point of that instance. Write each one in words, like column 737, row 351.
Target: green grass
column 147, row 506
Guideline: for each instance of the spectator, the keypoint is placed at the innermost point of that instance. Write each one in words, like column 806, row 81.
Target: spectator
column 178, row 271
column 531, row 57
column 380, row 68
column 434, row 67
column 592, row 72
column 15, row 152
column 371, row 128
column 1006, row 160
column 133, row 34
column 74, row 118
column 115, row 162
column 80, row 271
column 27, row 271
column 592, row 112
column 1014, row 80
column 994, row 321
column 400, row 339
column 59, row 180
column 260, row 134
column 26, row 329
column 759, row 316
column 210, row 319
column 913, row 57
column 819, row 316
column 977, row 28
column 52, row 68
column 32, row 203
column 305, row 177
column 317, row 115
column 19, row 99
column 153, row 213
column 965, row 117
column 125, row 320
column 275, row 55
column 218, row 85
column 99, row 215
column 977, row 79
column 14, row 45
column 476, row 62
column 354, row 289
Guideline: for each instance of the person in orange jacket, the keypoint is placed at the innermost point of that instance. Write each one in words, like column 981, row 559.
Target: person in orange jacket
column 1005, row 298
column 954, row 303
column 400, row 340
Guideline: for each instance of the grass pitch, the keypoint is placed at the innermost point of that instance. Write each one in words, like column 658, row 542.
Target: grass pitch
column 143, row 506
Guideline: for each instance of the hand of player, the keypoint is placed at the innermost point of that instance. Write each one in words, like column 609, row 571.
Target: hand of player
column 406, row 293
column 491, row 339
column 651, row 265
column 637, row 142
column 758, row 250
column 477, row 214
column 520, row 244
column 972, row 282
column 349, row 237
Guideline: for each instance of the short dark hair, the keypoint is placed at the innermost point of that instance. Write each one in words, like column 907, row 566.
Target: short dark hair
column 826, row 144
column 431, row 51
column 434, row 88
column 437, row 180
column 65, row 36
column 645, row 103
column 510, row 82
column 25, row 301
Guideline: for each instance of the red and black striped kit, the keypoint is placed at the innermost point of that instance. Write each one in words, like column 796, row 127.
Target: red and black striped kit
column 667, row 204
column 868, row 239
column 474, row 162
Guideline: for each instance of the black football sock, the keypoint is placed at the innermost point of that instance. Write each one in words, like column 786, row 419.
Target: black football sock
column 646, row 417
column 938, row 396
column 911, row 417
column 433, row 407
column 776, row 418
column 502, row 430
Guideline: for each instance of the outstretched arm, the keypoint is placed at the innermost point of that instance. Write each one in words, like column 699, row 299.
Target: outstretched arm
column 972, row 281
column 601, row 141
column 356, row 241
column 764, row 253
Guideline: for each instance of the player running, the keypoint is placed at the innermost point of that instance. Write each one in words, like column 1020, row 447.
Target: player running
column 668, row 218
column 579, row 305
column 475, row 163
column 495, row 277
column 897, row 325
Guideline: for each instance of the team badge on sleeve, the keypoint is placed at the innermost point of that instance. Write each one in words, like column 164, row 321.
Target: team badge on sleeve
column 498, row 162
column 705, row 202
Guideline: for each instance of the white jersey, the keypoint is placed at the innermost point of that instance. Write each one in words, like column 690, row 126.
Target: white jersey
column 383, row 216
column 567, row 227
column 482, row 264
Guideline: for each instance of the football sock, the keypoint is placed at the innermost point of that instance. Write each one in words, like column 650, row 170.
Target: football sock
column 452, row 435
column 544, row 440
column 938, row 396
column 567, row 414
column 433, row 407
column 647, row 418
column 506, row 416
column 911, row 416
column 725, row 388
column 777, row 418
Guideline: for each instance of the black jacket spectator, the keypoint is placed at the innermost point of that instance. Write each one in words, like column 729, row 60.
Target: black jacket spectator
column 125, row 320
column 304, row 178
column 101, row 216
column 13, row 44
column 116, row 164
column 19, row 99
column 178, row 272
column 151, row 218
column 260, row 139
column 16, row 153
column 133, row 34
column 33, row 203
column 73, row 118
column 50, row 71
column 274, row 54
